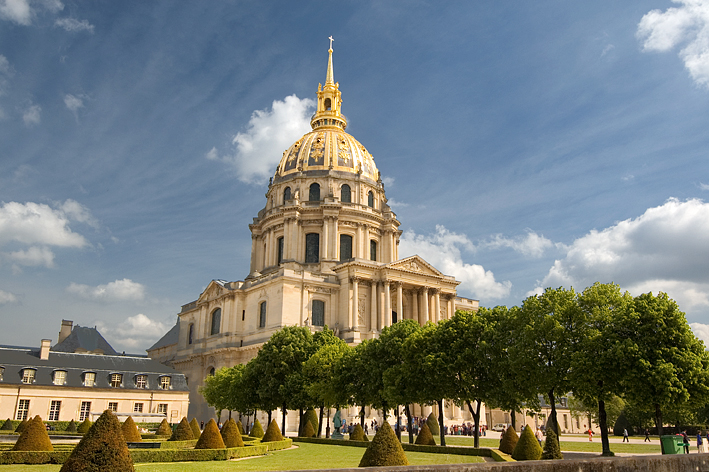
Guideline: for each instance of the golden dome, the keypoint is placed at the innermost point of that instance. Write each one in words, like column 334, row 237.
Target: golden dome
column 328, row 147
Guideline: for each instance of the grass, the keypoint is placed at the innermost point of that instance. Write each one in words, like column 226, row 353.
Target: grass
column 306, row 456
column 572, row 446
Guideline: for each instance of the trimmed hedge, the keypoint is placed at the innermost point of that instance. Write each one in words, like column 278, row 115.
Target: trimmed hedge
column 194, row 426
column 384, row 450
column 21, row 427
column 130, row 431
column 425, row 438
column 273, row 433
column 310, row 416
column 33, row 457
column 551, row 447
column 164, row 429
column 71, row 427
column 102, row 448
column 84, row 427
column 527, row 448
column 256, row 430
column 309, row 432
column 509, row 441
column 241, row 428
column 210, row 438
column 191, row 443
column 34, row 437
column 8, row 425
column 356, row 435
column 183, row 432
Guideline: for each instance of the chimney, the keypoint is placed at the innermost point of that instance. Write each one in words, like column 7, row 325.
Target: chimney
column 65, row 330
column 44, row 349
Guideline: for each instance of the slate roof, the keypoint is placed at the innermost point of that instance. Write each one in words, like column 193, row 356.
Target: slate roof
column 15, row 359
column 83, row 337
column 171, row 337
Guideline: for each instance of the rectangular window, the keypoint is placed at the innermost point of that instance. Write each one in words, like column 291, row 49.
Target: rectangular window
column 141, row 381
column 345, row 247
column 116, row 380
column 262, row 315
column 312, row 248
column 54, row 408
column 577, row 423
column 280, row 251
column 89, row 379
column 138, row 408
column 372, row 250
column 85, row 410
column 113, row 406
column 162, row 408
column 59, row 377
column 318, row 313
column 165, row 382
column 23, row 409
column 566, row 422
column 28, row 376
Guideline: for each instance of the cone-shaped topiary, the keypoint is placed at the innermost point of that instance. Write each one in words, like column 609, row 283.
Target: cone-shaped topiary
column 551, row 447
column 210, row 438
column 84, row 427
column 183, row 432
column 231, row 435
column 256, row 430
column 130, row 431
column 164, row 429
column 384, row 450
column 273, row 433
column 308, row 431
column 194, row 426
column 312, row 417
column 432, row 423
column 8, row 425
column 527, row 448
column 357, row 433
column 21, row 427
column 509, row 441
column 425, row 437
column 101, row 449
column 34, row 437
column 241, row 428
column 71, row 427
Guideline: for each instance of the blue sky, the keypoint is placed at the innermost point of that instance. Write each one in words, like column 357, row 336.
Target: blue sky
column 523, row 145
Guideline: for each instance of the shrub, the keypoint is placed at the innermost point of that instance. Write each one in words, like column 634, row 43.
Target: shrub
column 210, row 438
column 21, row 427
column 527, row 448
column 309, row 432
column 71, row 427
column 8, row 425
column 130, row 431
column 384, row 450
column 241, row 428
column 425, row 437
column 256, row 430
column 183, row 432
column 194, row 426
column 231, row 435
column 357, row 433
column 164, row 429
column 551, row 447
column 620, row 424
column 273, row 433
column 432, row 423
column 311, row 417
column 509, row 441
column 102, row 448
column 84, row 427
column 34, row 437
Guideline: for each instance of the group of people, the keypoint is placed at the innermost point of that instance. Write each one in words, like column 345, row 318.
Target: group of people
column 701, row 445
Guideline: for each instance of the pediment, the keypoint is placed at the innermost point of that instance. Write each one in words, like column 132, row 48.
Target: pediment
column 214, row 290
column 415, row 264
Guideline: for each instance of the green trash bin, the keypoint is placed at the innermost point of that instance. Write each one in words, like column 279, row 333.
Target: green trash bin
column 672, row 444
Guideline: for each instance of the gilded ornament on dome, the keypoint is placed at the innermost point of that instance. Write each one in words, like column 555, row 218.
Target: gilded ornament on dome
column 344, row 157
column 316, row 150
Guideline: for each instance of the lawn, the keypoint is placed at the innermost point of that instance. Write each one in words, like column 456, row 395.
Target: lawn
column 574, row 446
column 306, row 456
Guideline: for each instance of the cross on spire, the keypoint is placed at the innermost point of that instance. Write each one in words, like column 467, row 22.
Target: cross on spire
column 331, row 40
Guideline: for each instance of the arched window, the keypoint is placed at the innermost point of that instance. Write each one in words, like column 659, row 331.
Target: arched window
column 372, row 250
column 190, row 334
column 312, row 248
column 370, row 199
column 314, row 194
column 286, row 195
column 280, row 250
column 216, row 321
column 262, row 315
column 211, row 371
column 345, row 247
column 346, row 194
column 328, row 104
column 318, row 313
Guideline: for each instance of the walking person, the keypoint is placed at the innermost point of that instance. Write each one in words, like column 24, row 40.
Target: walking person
column 647, row 435
column 625, row 435
column 685, row 440
column 539, row 435
column 590, row 434
column 700, row 444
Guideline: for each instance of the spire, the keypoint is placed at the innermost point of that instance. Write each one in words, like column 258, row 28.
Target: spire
column 329, row 100
column 330, row 79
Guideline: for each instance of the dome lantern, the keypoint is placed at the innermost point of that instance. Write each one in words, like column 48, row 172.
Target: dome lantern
column 329, row 101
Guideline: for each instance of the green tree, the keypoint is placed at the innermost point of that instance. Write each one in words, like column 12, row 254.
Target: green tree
column 216, row 390
column 668, row 365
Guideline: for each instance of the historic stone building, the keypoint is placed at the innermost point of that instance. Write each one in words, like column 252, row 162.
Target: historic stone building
column 324, row 252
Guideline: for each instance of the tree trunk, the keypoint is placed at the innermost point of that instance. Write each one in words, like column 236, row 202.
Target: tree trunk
column 269, row 418
column 513, row 418
column 320, row 420
column 229, row 414
column 476, row 419
column 300, row 421
column 658, row 424
column 410, row 423
column 283, row 422
column 398, row 423
column 603, row 424
column 440, row 422
column 361, row 417
column 552, row 416
column 384, row 412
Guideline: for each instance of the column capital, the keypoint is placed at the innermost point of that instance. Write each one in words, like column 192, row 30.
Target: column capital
column 355, row 280
column 435, row 291
column 396, row 284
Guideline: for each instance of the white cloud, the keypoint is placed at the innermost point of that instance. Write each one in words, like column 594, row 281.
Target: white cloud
column 665, row 249
column 36, row 223
column 259, row 149
column 388, row 181
column 530, row 245
column 119, row 290
column 22, row 11
column 135, row 332
column 73, row 25
column 701, row 331
column 74, row 104
column 443, row 251
column 7, row 297
column 607, row 49
column 31, row 116
column 31, row 257
column 75, row 211
column 688, row 25
column 394, row 204
column 704, row 186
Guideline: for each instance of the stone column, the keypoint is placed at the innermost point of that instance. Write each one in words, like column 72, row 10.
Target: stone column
column 437, row 305
column 254, row 239
column 415, row 305
column 373, row 309
column 354, row 319
column 335, row 238
column 380, row 301
column 357, row 250
column 324, row 247
column 449, row 307
column 387, row 304
column 365, row 243
column 399, row 301
column 424, row 305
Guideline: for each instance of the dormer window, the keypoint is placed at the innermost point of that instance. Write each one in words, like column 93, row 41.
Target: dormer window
column 141, row 381
column 59, row 377
column 89, row 379
column 116, row 380
column 165, row 382
column 28, row 376
column 2, row 373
